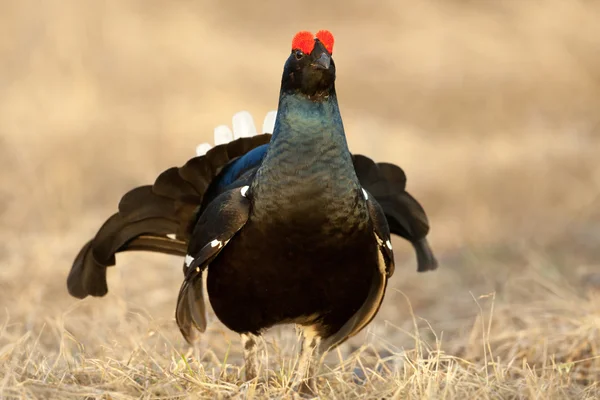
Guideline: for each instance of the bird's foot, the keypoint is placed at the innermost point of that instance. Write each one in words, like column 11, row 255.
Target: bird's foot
column 251, row 362
column 308, row 387
column 308, row 363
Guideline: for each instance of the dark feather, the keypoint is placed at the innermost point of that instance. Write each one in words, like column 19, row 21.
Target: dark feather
column 370, row 308
column 405, row 216
column 221, row 220
column 382, row 232
column 158, row 244
column 148, row 214
column 362, row 317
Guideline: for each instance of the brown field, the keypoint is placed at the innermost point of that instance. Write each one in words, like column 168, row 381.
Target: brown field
column 491, row 107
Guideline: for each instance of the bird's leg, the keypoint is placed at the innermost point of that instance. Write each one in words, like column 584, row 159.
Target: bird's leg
column 309, row 361
column 250, row 345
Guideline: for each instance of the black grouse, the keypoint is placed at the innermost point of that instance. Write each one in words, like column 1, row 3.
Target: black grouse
column 290, row 227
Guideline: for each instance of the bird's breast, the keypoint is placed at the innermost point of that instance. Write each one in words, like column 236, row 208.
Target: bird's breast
column 312, row 212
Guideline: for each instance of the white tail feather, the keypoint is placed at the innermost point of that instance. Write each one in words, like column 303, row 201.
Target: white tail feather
column 243, row 125
column 269, row 122
column 223, row 135
column 202, row 149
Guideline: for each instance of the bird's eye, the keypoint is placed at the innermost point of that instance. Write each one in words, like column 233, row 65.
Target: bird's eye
column 299, row 54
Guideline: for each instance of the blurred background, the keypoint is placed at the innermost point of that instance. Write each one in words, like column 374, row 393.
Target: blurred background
column 491, row 107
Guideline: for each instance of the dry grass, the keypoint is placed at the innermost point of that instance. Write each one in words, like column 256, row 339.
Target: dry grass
column 490, row 106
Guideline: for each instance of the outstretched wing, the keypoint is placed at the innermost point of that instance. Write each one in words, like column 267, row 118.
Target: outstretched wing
column 217, row 225
column 160, row 217
column 405, row 216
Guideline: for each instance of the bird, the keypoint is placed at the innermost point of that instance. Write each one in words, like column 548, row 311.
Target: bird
column 289, row 226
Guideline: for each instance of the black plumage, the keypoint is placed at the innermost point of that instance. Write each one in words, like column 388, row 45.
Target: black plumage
column 148, row 214
column 292, row 228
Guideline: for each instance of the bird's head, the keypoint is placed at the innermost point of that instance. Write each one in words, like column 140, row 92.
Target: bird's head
column 309, row 69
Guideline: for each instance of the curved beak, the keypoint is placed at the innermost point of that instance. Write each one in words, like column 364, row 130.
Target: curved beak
column 322, row 62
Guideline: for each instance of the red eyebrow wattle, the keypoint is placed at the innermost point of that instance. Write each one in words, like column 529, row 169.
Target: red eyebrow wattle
column 326, row 38
column 303, row 41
